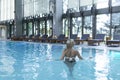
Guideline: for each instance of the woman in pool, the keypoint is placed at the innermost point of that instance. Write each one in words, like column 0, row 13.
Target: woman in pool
column 69, row 55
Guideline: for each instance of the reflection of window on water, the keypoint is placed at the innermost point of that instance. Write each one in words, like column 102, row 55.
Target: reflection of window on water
column 102, row 66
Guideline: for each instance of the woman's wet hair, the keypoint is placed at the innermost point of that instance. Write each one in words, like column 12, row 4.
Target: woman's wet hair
column 70, row 43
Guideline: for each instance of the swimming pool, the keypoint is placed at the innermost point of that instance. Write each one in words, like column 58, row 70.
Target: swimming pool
column 35, row 61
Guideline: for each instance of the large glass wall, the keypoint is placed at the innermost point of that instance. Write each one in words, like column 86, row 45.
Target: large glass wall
column 6, row 10
column 77, row 7
column 36, row 7
column 85, row 6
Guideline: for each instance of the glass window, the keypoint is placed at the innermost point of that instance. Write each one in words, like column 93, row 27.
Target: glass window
column 24, row 29
column 101, row 3
column 12, row 9
column 116, row 18
column 76, row 26
column 28, row 8
column 12, row 29
column 116, row 23
column 35, row 27
column 85, row 4
column 42, row 28
column 45, row 6
column 73, row 5
column 115, row 2
column 103, row 25
column 87, row 29
column 65, row 6
column 30, row 28
column 49, row 27
column 33, row 7
column 66, row 29
column 6, row 9
column 36, row 7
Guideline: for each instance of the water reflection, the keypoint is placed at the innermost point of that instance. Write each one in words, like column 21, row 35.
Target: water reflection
column 31, row 59
column 35, row 63
column 102, row 65
column 7, row 61
column 88, row 53
column 6, row 65
column 114, row 71
column 49, row 52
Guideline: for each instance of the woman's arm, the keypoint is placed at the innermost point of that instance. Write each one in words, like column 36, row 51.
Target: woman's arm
column 63, row 55
column 79, row 56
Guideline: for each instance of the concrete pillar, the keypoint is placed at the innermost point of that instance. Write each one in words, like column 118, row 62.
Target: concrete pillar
column 83, row 22
column 18, row 17
column 110, row 11
column 57, row 17
column 93, row 10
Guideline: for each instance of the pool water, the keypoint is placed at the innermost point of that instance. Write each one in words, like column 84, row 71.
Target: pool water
column 37, row 61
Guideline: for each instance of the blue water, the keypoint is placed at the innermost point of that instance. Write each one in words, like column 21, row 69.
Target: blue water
column 35, row 61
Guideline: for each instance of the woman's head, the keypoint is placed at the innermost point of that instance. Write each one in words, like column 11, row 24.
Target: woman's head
column 70, row 43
